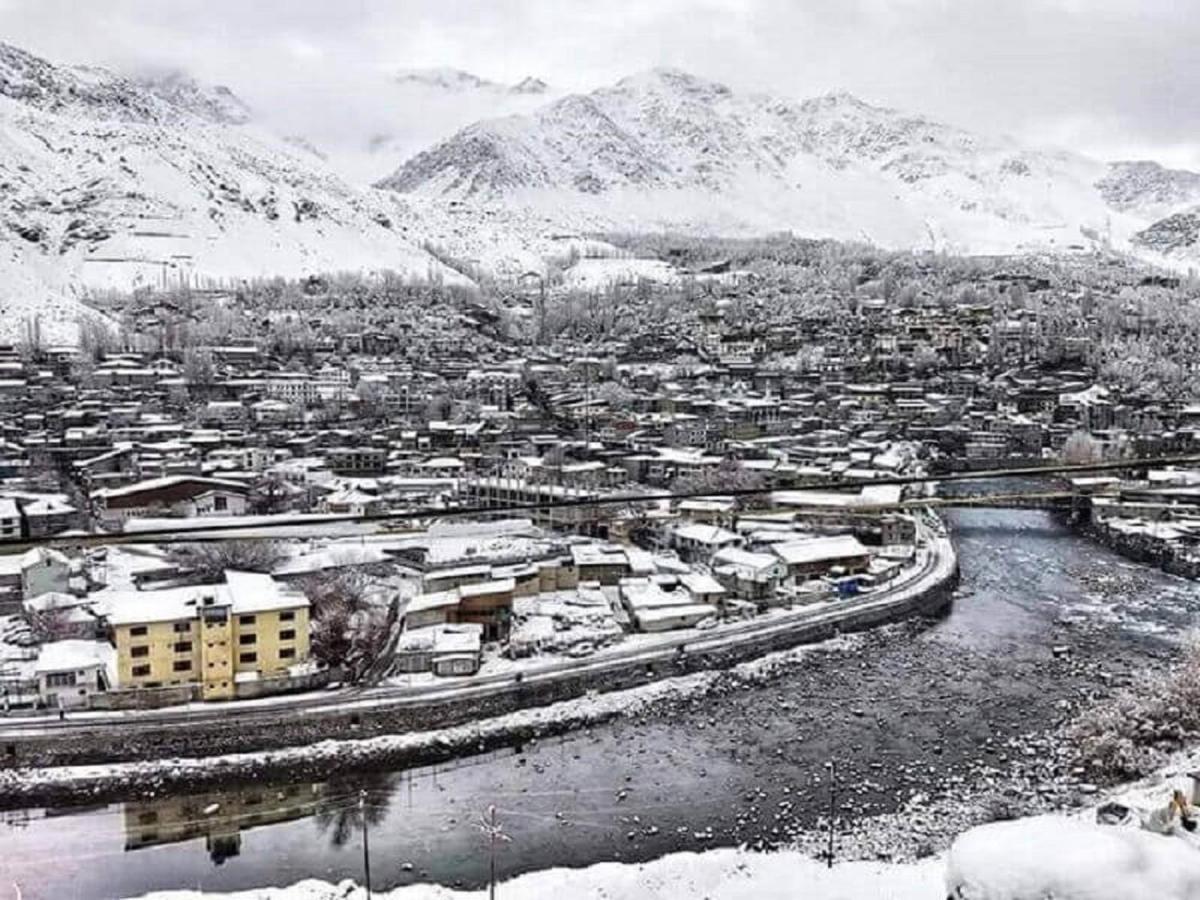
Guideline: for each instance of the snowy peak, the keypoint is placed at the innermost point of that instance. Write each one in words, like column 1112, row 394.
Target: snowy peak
column 530, row 85
column 673, row 129
column 457, row 81
column 666, row 149
column 215, row 103
column 100, row 94
column 443, row 78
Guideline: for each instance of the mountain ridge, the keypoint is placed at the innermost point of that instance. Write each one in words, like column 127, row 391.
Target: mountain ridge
column 668, row 149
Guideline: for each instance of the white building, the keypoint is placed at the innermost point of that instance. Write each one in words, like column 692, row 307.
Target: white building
column 69, row 672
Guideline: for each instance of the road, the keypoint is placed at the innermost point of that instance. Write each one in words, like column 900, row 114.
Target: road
column 936, row 562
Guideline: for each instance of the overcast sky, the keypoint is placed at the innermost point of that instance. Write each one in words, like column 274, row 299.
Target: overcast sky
column 1115, row 78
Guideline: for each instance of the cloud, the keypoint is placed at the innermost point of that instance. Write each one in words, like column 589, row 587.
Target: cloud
column 1112, row 77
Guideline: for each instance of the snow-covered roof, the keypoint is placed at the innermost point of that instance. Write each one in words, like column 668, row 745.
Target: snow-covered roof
column 251, row 592
column 818, row 549
column 72, row 656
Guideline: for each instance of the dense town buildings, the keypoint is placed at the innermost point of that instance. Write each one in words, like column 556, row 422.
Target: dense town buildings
column 695, row 459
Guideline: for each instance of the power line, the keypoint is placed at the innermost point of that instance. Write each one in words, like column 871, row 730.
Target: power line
column 243, row 531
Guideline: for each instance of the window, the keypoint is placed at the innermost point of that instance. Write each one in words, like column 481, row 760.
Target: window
column 288, row 634
column 248, row 657
column 141, row 671
column 247, row 639
column 287, row 653
column 220, row 503
column 60, row 679
column 246, row 620
column 183, row 627
column 137, row 631
column 287, row 616
column 183, row 646
column 182, row 665
column 139, row 651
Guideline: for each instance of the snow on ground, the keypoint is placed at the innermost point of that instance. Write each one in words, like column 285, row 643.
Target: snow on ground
column 1064, row 859
column 726, row 874
column 598, row 274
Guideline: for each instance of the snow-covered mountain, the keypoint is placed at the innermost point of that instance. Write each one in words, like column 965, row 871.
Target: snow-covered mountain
column 667, row 150
column 417, row 108
column 448, row 79
column 112, row 182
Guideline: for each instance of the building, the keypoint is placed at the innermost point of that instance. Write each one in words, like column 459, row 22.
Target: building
column 215, row 636
column 69, row 672
column 815, row 557
column 30, row 574
column 749, row 576
column 185, row 496
column 10, row 519
column 442, row 650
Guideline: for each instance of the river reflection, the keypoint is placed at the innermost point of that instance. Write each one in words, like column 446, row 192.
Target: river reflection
column 219, row 817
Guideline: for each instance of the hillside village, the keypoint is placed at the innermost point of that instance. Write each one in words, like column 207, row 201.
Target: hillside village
column 336, row 438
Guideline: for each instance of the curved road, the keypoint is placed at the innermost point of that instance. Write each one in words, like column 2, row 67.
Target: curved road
column 936, row 563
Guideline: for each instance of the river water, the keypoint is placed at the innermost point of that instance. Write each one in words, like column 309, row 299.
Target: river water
column 896, row 710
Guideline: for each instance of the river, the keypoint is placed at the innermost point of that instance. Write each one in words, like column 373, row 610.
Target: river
column 897, row 709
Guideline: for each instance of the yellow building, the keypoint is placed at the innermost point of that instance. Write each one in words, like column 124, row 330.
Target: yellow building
column 217, row 636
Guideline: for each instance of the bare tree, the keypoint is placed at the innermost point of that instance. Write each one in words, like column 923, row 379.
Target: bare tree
column 209, row 561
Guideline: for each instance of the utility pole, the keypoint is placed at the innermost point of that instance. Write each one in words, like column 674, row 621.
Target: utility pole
column 494, row 832
column 362, row 810
column 832, row 766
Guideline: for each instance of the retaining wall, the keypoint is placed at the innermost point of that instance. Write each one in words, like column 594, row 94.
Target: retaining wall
column 281, row 728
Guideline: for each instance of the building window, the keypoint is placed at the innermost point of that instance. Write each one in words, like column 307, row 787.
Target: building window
column 183, row 627
column 183, row 647
column 288, row 634
column 246, row 620
column 182, row 665
column 220, row 503
column 60, row 679
column 140, row 651
column 287, row 653
column 141, row 671
column 247, row 639
column 287, row 616
column 248, row 657
column 137, row 631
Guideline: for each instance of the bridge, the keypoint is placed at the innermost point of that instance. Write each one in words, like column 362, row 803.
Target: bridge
column 196, row 530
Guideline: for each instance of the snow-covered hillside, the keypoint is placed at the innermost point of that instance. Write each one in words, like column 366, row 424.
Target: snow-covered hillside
column 667, row 150
column 110, row 182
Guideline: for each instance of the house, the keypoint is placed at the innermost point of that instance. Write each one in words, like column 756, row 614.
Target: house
column 69, row 672
column 214, row 636
column 652, row 607
column 605, row 563
column 64, row 614
column 10, row 519
column 184, row 496
column 703, row 588
column 47, row 514
column 749, row 576
column 486, row 603
column 34, row 572
column 815, row 557
column 694, row 541
column 442, row 649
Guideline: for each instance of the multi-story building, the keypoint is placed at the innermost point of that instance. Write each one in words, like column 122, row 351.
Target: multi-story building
column 214, row 636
